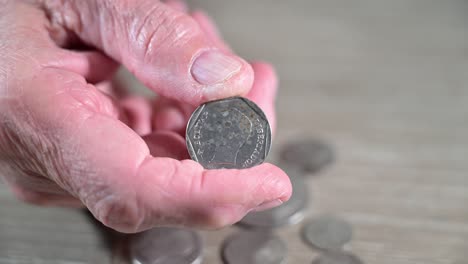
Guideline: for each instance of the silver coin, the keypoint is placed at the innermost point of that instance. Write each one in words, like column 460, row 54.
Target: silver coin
column 231, row 133
column 337, row 258
column 289, row 213
column 327, row 232
column 166, row 245
column 257, row 247
column 310, row 155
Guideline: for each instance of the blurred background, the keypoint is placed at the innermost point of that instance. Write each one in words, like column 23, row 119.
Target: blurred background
column 384, row 82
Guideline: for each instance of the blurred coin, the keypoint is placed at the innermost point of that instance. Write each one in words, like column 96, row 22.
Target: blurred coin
column 337, row 258
column 166, row 246
column 231, row 133
column 257, row 247
column 310, row 155
column 327, row 232
column 289, row 213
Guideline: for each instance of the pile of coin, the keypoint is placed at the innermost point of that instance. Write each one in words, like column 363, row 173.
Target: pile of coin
column 235, row 133
column 257, row 246
column 327, row 234
column 167, row 245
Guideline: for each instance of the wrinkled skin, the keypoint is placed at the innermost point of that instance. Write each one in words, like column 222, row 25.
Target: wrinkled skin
column 69, row 138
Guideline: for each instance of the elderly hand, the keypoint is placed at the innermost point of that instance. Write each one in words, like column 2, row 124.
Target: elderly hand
column 67, row 139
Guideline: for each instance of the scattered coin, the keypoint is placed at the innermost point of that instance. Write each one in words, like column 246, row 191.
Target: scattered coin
column 231, row 133
column 256, row 247
column 327, row 232
column 337, row 258
column 310, row 155
column 166, row 246
column 289, row 213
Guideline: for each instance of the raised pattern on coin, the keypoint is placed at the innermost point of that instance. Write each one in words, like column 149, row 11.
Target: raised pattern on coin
column 337, row 258
column 166, row 245
column 255, row 247
column 231, row 133
column 289, row 213
column 309, row 155
column 327, row 232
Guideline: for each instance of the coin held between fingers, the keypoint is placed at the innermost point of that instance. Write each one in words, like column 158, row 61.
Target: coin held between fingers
column 231, row 133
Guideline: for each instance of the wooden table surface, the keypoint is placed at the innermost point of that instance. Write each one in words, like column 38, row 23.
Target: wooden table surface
column 384, row 82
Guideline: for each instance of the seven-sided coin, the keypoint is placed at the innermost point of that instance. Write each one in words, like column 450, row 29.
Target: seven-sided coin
column 166, row 245
column 309, row 155
column 254, row 247
column 337, row 258
column 231, row 133
column 327, row 232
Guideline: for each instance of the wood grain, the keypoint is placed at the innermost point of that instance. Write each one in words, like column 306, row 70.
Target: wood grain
column 385, row 82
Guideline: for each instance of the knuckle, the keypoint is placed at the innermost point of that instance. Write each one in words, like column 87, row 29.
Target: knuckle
column 217, row 223
column 118, row 213
column 88, row 98
column 219, row 217
column 64, row 13
column 179, row 28
column 95, row 101
column 74, row 90
column 161, row 28
column 28, row 196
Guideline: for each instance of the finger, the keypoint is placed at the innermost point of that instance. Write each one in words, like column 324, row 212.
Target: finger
column 209, row 27
column 44, row 198
column 92, row 65
column 138, row 113
column 107, row 88
column 166, row 144
column 169, row 118
column 264, row 90
column 134, row 111
column 36, row 183
column 177, row 5
column 109, row 167
column 171, row 115
column 166, row 49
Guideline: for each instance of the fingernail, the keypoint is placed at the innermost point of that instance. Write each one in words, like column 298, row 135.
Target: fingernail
column 214, row 67
column 267, row 205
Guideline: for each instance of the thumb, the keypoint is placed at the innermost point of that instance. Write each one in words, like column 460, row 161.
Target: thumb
column 165, row 48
